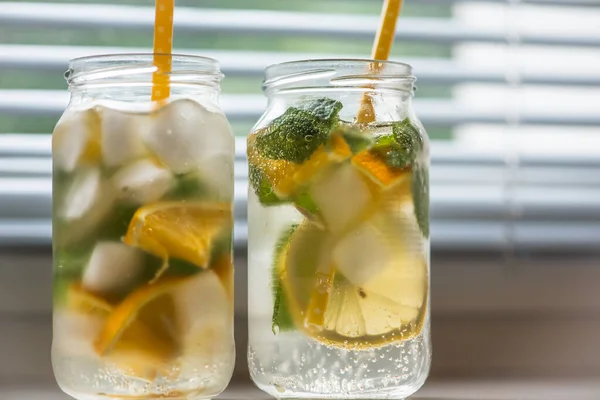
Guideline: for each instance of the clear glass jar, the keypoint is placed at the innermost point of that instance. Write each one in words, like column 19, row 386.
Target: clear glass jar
column 142, row 232
column 338, row 233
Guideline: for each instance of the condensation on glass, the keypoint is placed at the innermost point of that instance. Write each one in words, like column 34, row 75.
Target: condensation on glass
column 338, row 234
column 142, row 232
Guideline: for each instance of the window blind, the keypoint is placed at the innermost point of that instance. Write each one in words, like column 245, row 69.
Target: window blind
column 508, row 90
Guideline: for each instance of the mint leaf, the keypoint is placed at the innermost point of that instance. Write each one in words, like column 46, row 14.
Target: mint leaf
column 60, row 289
column 356, row 140
column 323, row 108
column 399, row 148
column 187, row 186
column 408, row 137
column 299, row 131
column 420, row 195
column 282, row 318
column 306, row 203
column 262, row 187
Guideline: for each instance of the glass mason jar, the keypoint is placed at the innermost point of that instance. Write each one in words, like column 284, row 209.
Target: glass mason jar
column 338, row 228
column 142, row 232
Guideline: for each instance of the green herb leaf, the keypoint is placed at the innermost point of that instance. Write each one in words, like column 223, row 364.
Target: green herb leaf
column 401, row 146
column 60, row 289
column 262, row 187
column 408, row 137
column 420, row 195
column 70, row 263
column 306, row 203
column 187, row 186
column 323, row 108
column 299, row 131
column 282, row 319
column 356, row 140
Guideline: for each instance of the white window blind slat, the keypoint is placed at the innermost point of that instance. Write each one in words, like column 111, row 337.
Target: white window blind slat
column 253, row 63
column 266, row 22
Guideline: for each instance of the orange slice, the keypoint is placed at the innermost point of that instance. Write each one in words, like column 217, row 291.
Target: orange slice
column 82, row 301
column 376, row 169
column 150, row 305
column 179, row 229
column 171, row 325
column 140, row 352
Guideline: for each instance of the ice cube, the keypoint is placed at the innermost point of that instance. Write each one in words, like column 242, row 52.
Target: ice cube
column 74, row 334
column 85, row 195
column 341, row 195
column 76, row 136
column 216, row 173
column 362, row 254
column 88, row 201
column 121, row 136
column 112, row 267
column 205, row 322
column 142, row 182
column 200, row 299
column 186, row 135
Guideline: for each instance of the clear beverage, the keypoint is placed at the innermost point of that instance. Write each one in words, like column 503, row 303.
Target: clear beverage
column 142, row 240
column 338, row 238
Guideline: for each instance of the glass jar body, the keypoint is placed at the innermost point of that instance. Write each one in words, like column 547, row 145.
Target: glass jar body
column 338, row 246
column 142, row 238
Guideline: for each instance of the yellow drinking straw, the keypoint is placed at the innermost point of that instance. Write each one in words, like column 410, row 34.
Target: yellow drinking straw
column 381, row 51
column 163, row 46
column 315, row 313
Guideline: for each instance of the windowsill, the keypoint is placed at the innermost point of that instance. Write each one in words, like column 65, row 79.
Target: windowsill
column 433, row 390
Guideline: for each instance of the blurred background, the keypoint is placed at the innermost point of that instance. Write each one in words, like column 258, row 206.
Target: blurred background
column 509, row 91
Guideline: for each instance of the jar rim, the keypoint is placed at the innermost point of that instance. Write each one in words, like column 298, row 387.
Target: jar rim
column 142, row 56
column 334, row 61
column 335, row 73
column 140, row 66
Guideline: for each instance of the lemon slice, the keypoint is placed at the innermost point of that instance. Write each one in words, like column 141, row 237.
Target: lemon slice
column 179, row 229
column 379, row 293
